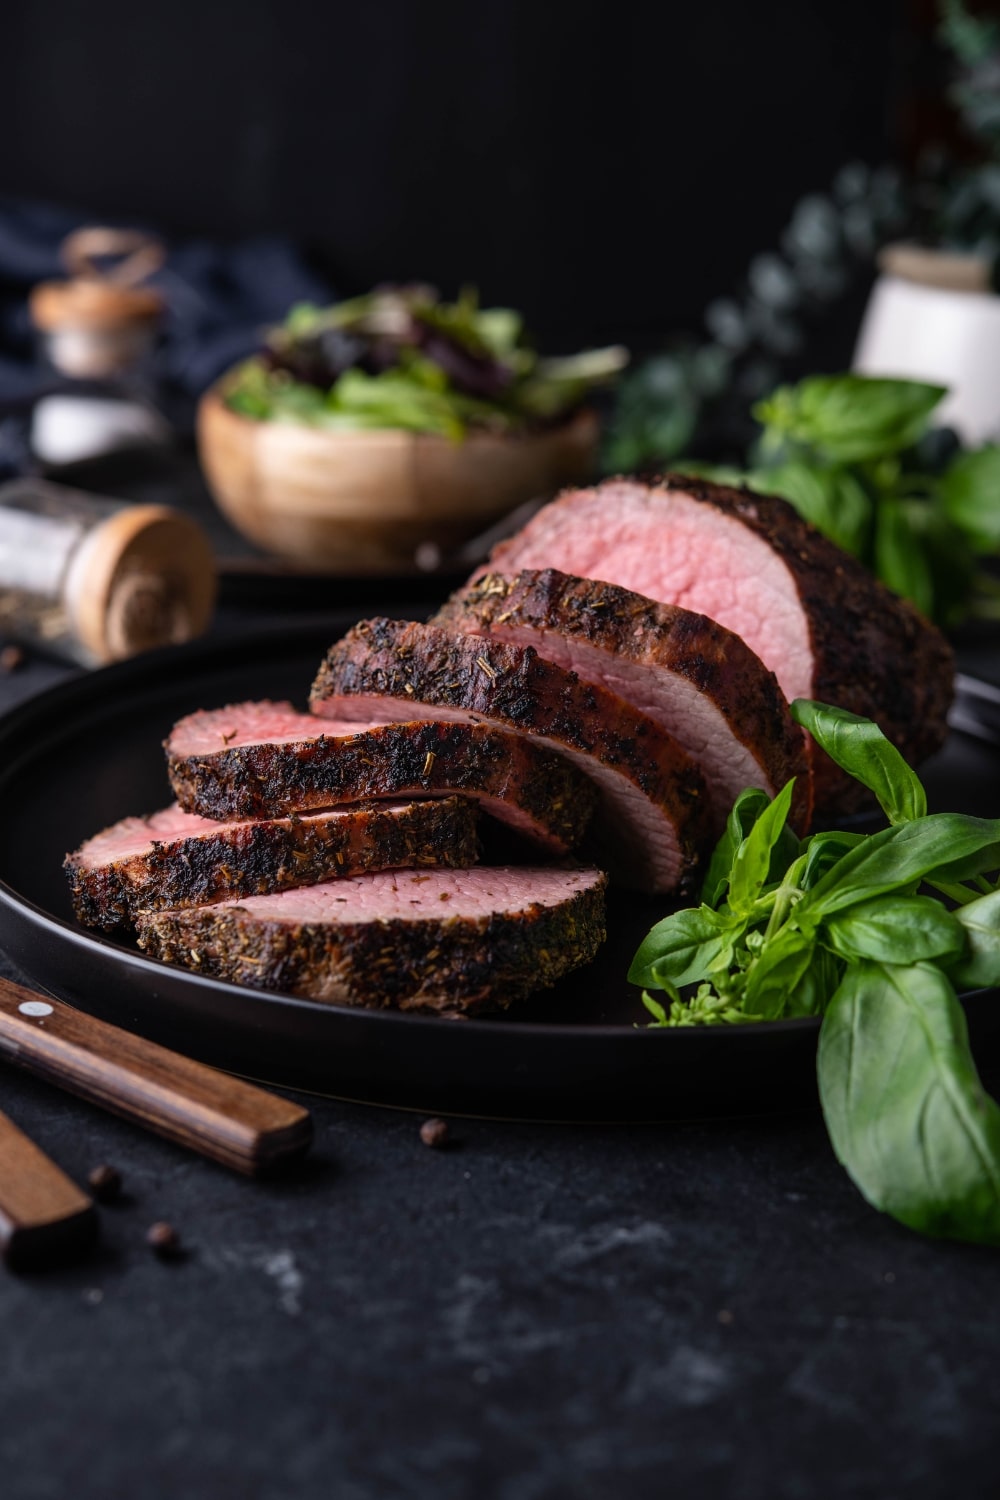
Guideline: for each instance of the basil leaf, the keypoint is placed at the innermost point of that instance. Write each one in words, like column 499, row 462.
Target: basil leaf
column 812, row 994
column 900, row 559
column 783, row 961
column 949, row 846
column 952, row 560
column 745, row 811
column 861, row 749
column 895, row 930
column 979, row 965
column 752, row 863
column 848, row 419
column 907, row 1114
column 680, row 949
column 832, row 500
column 822, row 851
column 656, row 1010
column 970, row 495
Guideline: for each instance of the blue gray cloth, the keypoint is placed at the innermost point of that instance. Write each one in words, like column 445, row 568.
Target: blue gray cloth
column 219, row 296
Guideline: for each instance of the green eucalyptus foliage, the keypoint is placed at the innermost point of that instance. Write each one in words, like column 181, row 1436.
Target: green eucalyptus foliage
column 850, row 927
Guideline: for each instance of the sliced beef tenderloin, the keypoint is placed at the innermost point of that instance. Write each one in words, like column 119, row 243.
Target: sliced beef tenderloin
column 176, row 858
column 254, row 760
column 653, row 819
column 697, row 679
column 441, row 941
column 814, row 615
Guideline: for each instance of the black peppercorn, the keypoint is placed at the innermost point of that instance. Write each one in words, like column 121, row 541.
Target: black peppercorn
column 434, row 1133
column 164, row 1240
column 105, row 1183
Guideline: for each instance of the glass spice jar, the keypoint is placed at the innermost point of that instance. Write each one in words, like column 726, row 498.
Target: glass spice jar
column 100, row 322
column 97, row 330
column 96, row 581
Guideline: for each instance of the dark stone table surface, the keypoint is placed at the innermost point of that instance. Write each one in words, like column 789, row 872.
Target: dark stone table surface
column 535, row 1313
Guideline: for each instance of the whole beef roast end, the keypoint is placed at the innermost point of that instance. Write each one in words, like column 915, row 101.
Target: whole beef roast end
column 813, row 614
column 439, row 941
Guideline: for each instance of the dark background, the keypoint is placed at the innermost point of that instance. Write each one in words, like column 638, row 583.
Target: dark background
column 610, row 168
column 707, row 1309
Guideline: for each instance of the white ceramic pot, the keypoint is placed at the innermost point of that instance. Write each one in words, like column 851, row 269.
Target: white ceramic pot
column 942, row 335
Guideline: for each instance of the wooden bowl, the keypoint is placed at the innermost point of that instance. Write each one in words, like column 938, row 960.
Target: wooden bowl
column 349, row 502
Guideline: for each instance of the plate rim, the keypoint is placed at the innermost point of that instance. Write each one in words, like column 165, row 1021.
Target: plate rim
column 278, row 640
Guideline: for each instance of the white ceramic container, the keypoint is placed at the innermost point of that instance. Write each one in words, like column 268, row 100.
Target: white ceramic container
column 942, row 335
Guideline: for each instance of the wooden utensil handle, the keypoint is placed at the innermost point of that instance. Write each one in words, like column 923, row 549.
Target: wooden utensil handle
column 222, row 1117
column 43, row 1215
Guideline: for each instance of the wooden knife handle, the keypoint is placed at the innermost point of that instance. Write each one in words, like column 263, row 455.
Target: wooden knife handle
column 43, row 1215
column 222, row 1117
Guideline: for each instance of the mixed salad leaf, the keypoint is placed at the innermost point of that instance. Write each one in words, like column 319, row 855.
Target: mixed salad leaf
column 856, row 455
column 872, row 933
column 400, row 357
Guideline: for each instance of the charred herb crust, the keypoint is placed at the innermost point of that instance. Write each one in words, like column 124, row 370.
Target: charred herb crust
column 516, row 687
column 249, row 859
column 392, row 760
column 447, row 965
column 629, row 626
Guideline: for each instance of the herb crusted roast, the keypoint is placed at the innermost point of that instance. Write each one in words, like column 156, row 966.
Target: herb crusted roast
column 690, row 674
column 813, row 614
column 176, row 858
column 442, row 941
column 259, row 760
column 653, row 817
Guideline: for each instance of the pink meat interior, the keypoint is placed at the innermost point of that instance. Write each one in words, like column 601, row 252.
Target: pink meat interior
column 666, row 545
column 415, row 895
column 627, row 810
column 212, row 730
column 136, row 835
column 666, row 697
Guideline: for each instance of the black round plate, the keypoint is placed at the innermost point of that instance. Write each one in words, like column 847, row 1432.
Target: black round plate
column 89, row 752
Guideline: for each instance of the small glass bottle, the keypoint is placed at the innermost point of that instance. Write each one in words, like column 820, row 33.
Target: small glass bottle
column 96, row 581
column 97, row 331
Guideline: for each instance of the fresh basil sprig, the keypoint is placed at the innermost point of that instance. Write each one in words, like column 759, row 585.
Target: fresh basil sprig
column 845, row 926
column 860, row 747
column 848, row 419
column 907, row 1114
column 857, row 457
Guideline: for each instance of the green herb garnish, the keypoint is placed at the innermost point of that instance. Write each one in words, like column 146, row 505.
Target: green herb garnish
column 852, row 928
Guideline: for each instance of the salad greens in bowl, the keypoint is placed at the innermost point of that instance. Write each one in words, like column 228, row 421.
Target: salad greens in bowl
column 399, row 357
column 395, row 423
